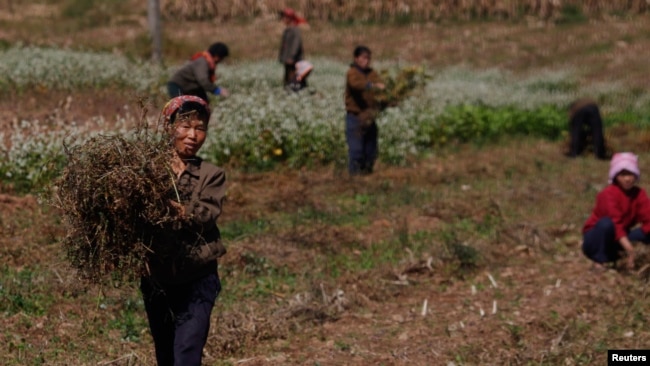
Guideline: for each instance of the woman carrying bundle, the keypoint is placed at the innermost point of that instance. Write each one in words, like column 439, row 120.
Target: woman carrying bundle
column 182, row 283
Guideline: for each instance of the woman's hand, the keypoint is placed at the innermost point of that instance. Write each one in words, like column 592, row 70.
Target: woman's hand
column 629, row 250
column 179, row 207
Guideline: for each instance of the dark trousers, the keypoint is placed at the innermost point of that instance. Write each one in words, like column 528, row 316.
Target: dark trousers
column 290, row 81
column 587, row 122
column 362, row 145
column 289, row 73
column 174, row 90
column 599, row 243
column 179, row 318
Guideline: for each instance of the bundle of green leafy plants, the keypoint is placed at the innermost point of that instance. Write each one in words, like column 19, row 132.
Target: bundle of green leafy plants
column 400, row 83
column 114, row 192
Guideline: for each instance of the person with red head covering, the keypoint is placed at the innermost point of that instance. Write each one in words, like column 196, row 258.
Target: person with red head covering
column 291, row 49
column 181, row 284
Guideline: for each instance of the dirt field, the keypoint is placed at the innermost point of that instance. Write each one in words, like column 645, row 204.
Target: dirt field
column 320, row 268
column 529, row 298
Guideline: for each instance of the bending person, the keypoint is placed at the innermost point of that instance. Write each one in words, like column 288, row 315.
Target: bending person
column 585, row 121
column 198, row 76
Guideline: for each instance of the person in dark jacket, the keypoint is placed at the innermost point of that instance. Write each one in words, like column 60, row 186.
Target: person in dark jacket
column 182, row 282
column 362, row 108
column 291, row 50
column 585, row 121
column 621, row 215
column 198, row 76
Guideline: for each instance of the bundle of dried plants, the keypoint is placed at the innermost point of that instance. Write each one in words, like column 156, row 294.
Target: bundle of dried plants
column 114, row 192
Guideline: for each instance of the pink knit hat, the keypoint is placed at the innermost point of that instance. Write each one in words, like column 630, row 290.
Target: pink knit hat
column 623, row 161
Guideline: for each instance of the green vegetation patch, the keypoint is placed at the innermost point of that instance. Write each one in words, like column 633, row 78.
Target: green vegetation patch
column 481, row 123
column 22, row 291
column 93, row 13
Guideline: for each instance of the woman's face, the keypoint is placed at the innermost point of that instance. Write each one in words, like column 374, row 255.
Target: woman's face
column 626, row 180
column 363, row 60
column 189, row 136
column 287, row 20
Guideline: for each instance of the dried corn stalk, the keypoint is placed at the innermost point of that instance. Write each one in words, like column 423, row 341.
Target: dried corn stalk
column 402, row 10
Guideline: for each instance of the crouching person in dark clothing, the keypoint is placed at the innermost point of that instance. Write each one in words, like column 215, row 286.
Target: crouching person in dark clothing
column 182, row 282
column 362, row 108
column 585, row 121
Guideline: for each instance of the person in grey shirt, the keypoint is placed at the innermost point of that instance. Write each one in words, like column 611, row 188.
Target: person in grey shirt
column 291, row 50
column 197, row 77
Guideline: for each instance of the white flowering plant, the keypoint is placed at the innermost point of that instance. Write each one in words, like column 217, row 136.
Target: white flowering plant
column 261, row 125
column 29, row 68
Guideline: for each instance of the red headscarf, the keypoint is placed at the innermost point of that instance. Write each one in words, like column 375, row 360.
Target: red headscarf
column 291, row 15
column 175, row 103
column 211, row 64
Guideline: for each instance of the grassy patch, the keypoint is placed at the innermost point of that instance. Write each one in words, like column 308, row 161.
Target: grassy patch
column 571, row 14
column 256, row 278
column 351, row 211
column 236, row 230
column 23, row 291
column 601, row 47
column 92, row 13
column 129, row 319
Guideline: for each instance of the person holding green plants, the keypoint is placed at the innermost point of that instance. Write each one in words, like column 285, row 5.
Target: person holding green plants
column 362, row 107
column 182, row 282
column 620, row 207
column 198, row 76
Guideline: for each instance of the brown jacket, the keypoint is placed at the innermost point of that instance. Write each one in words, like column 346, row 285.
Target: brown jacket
column 190, row 250
column 360, row 95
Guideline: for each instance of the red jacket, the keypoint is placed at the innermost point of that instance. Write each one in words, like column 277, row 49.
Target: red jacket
column 625, row 209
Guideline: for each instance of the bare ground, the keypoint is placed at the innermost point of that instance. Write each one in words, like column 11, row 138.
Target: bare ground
column 530, row 299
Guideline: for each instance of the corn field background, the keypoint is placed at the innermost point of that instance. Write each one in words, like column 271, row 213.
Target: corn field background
column 402, row 10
